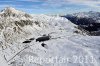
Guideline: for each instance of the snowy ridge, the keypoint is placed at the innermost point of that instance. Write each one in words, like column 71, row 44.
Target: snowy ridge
column 12, row 12
column 88, row 21
column 14, row 28
column 63, row 41
column 91, row 14
column 87, row 14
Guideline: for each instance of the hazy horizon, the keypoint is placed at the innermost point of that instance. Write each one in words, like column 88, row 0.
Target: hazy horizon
column 52, row 6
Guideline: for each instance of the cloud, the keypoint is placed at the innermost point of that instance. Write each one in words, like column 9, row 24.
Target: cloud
column 32, row 0
column 62, row 3
column 59, row 3
column 90, row 3
column 55, row 3
column 52, row 5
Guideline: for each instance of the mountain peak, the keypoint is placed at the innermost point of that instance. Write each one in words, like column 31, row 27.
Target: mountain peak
column 10, row 11
column 10, row 8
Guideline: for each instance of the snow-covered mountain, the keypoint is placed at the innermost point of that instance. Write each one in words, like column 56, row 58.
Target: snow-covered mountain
column 53, row 40
column 90, row 21
column 88, row 17
column 11, row 12
column 21, row 26
column 89, row 14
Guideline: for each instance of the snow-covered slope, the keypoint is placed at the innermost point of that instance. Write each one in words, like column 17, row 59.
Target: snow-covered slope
column 64, row 48
column 20, row 27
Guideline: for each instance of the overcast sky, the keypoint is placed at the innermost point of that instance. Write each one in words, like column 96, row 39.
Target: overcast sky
column 52, row 6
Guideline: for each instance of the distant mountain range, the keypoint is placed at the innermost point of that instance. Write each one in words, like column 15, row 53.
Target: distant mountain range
column 84, row 18
column 89, row 21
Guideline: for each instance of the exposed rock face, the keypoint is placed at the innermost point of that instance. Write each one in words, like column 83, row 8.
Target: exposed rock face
column 44, row 38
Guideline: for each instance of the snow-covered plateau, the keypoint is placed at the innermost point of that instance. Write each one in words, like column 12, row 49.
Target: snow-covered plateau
column 41, row 40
